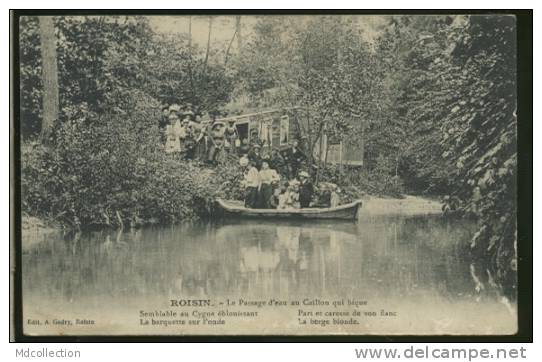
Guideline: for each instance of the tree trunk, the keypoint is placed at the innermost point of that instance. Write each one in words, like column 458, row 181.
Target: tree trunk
column 362, row 140
column 49, row 75
column 326, row 152
column 309, row 146
column 238, row 32
column 208, row 44
column 190, row 72
column 190, row 36
column 341, row 162
column 229, row 47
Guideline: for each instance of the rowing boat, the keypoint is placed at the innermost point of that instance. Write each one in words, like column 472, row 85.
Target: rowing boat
column 236, row 209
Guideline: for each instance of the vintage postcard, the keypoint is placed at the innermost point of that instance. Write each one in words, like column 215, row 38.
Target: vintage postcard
column 267, row 174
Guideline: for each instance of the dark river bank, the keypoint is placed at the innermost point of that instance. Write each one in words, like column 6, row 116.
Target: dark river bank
column 413, row 272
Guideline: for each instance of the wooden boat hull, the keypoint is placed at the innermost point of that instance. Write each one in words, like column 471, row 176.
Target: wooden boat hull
column 342, row 212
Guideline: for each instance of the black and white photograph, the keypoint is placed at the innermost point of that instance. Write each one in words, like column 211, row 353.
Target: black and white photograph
column 267, row 174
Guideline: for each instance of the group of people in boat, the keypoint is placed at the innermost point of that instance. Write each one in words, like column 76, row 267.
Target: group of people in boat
column 265, row 189
column 272, row 179
column 278, row 181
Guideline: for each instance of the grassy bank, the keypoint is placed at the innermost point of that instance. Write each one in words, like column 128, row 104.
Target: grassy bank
column 409, row 206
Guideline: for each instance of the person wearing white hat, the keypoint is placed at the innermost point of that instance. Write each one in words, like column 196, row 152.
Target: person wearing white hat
column 175, row 108
column 232, row 138
column 243, row 161
column 255, row 156
column 189, row 114
column 173, row 132
column 268, row 179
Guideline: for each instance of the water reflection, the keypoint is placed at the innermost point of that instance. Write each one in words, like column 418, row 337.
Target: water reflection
column 379, row 257
column 416, row 266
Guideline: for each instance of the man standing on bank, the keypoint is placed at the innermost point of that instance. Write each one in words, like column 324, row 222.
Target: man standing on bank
column 294, row 157
column 277, row 162
column 255, row 156
column 232, row 138
column 217, row 136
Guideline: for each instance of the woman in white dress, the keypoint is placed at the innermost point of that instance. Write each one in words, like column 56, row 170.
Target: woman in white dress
column 174, row 131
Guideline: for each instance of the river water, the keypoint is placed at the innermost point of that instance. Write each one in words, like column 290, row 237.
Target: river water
column 404, row 275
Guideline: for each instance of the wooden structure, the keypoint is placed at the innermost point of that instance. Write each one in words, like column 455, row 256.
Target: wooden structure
column 339, row 152
column 278, row 127
column 342, row 212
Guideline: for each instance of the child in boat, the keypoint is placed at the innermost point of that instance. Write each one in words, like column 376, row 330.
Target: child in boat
column 293, row 194
column 283, row 197
column 274, row 201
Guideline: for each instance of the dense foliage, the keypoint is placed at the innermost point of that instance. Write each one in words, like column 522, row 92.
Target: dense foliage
column 105, row 163
column 325, row 66
column 112, row 170
column 480, row 139
column 457, row 104
column 101, row 56
column 175, row 73
column 94, row 56
column 432, row 98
